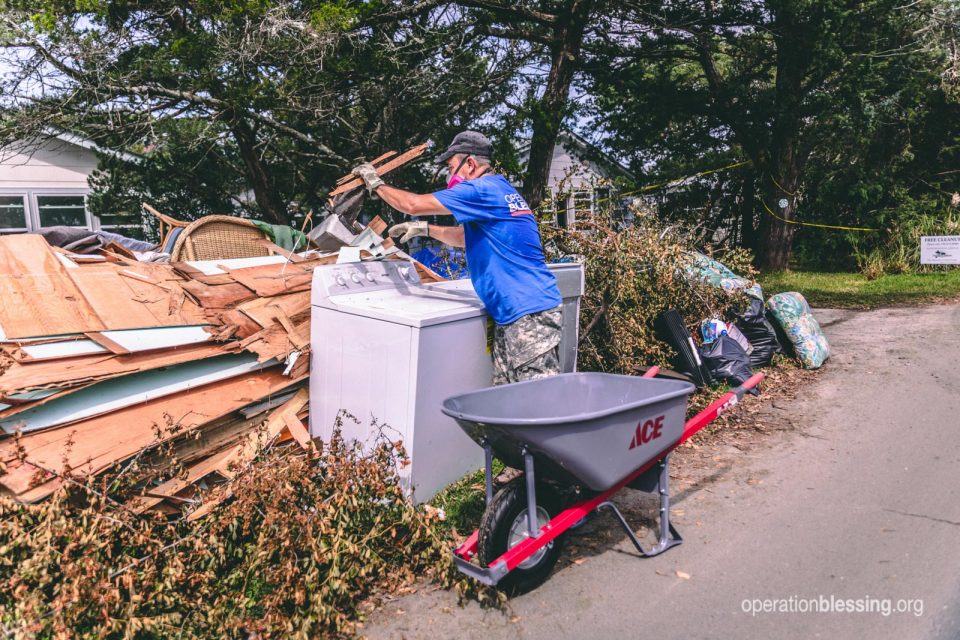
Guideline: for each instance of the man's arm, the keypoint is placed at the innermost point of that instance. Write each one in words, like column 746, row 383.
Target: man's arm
column 452, row 236
column 412, row 204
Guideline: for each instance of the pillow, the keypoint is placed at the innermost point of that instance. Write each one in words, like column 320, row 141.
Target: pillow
column 793, row 314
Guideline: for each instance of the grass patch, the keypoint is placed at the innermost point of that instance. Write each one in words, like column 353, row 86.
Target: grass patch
column 463, row 502
column 846, row 290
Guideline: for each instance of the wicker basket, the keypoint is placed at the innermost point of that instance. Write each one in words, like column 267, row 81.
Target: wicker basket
column 219, row 237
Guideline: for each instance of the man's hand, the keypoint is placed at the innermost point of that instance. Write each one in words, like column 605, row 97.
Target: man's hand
column 368, row 173
column 410, row 230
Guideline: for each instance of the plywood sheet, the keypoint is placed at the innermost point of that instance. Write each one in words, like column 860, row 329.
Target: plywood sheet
column 119, row 392
column 273, row 280
column 113, row 299
column 38, row 297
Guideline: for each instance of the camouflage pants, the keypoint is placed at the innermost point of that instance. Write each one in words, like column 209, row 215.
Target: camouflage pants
column 528, row 348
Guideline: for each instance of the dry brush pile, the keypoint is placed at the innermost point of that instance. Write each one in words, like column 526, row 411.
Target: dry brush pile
column 632, row 276
column 306, row 539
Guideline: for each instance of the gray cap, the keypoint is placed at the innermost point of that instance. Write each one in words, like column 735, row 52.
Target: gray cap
column 472, row 143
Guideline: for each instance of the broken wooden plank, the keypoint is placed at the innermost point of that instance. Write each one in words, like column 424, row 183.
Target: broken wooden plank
column 298, row 431
column 289, row 254
column 274, row 280
column 265, row 313
column 20, row 377
column 383, row 169
column 374, row 162
column 117, row 393
column 192, row 473
column 220, row 296
column 107, row 343
column 377, row 225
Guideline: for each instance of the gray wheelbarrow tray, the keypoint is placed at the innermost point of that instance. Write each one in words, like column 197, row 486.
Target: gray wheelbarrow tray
column 581, row 428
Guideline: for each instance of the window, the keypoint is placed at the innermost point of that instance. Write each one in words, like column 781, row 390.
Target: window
column 13, row 213
column 67, row 211
column 582, row 205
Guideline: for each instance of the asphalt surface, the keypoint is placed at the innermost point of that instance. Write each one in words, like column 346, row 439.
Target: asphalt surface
column 854, row 504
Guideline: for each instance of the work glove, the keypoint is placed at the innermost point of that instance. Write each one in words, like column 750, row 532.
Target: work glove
column 410, row 230
column 368, row 173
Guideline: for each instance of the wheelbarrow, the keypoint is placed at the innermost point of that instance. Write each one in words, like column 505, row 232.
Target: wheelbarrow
column 583, row 434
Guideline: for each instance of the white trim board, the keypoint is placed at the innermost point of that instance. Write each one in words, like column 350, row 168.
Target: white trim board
column 129, row 390
column 132, row 340
column 212, row 267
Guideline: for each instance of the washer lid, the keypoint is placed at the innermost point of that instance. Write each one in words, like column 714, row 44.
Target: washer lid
column 412, row 306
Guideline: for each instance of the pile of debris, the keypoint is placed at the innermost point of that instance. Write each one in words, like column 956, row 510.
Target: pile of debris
column 105, row 359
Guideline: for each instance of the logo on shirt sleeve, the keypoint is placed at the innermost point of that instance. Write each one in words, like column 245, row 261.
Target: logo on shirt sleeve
column 517, row 205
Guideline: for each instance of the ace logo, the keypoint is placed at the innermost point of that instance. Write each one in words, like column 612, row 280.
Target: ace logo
column 647, row 431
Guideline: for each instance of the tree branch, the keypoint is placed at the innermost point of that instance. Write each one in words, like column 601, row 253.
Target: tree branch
column 512, row 11
column 514, row 34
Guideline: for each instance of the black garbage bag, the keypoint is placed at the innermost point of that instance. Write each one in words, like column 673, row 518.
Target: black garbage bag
column 669, row 328
column 727, row 361
column 754, row 325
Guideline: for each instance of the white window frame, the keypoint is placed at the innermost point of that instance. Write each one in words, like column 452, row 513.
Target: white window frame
column 91, row 222
column 8, row 193
column 32, row 209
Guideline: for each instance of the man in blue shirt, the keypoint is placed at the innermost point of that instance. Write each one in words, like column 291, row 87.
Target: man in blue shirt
column 502, row 242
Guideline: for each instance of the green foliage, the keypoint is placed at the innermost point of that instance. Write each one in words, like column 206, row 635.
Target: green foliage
column 855, row 290
column 464, row 501
column 304, row 541
column 177, row 175
column 897, row 250
column 849, row 102
column 277, row 99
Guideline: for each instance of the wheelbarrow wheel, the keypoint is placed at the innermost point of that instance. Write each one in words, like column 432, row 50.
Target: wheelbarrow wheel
column 504, row 525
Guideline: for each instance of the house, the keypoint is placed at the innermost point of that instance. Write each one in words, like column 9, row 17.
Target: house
column 583, row 180
column 43, row 183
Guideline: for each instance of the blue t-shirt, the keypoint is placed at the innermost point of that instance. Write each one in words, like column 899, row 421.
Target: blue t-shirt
column 503, row 248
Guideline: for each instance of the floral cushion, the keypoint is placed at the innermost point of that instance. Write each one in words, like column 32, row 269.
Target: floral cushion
column 793, row 314
column 706, row 268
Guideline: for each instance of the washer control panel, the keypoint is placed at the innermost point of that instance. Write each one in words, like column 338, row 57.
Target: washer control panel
column 338, row 279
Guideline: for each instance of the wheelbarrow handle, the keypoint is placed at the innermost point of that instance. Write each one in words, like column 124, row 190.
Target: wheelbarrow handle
column 750, row 383
column 718, row 406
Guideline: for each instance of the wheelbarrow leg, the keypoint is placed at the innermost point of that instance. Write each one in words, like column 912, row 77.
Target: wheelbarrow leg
column 488, row 470
column 533, row 524
column 669, row 537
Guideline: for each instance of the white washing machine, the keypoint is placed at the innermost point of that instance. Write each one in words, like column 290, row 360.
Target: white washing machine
column 389, row 349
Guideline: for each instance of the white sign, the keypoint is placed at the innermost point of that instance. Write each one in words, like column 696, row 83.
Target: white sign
column 940, row 250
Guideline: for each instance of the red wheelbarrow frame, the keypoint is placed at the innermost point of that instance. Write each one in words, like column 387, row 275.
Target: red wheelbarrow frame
column 514, row 556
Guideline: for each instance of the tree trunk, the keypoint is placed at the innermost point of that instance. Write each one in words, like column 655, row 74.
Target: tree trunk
column 776, row 231
column 551, row 108
column 748, row 208
column 270, row 204
column 781, row 178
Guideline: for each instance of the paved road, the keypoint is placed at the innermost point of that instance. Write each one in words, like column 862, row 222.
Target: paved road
column 859, row 500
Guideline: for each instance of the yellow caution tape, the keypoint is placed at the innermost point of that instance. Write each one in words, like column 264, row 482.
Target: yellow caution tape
column 814, row 224
column 679, row 180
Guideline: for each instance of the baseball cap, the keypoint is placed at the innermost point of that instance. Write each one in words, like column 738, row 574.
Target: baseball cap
column 470, row 142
